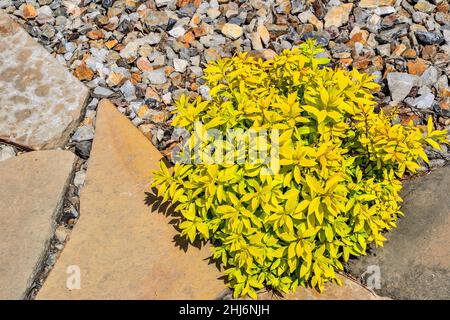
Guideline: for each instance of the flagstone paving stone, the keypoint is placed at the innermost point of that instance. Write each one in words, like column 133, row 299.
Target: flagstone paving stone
column 32, row 188
column 41, row 101
column 124, row 248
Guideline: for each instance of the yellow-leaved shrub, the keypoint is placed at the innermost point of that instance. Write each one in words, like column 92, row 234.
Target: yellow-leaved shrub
column 340, row 170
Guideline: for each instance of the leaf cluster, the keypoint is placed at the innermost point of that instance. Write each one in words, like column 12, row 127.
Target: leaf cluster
column 340, row 170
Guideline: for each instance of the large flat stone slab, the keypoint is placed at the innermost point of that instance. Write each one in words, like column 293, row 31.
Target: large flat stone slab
column 122, row 248
column 32, row 188
column 415, row 261
column 350, row 290
column 40, row 100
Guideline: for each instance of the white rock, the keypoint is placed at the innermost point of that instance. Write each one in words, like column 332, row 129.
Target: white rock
column 167, row 98
column 128, row 90
column 6, row 152
column 424, row 101
column 383, row 11
column 447, row 36
column 157, row 76
column 162, row 3
column 177, row 32
column 204, row 92
column 102, row 92
column 61, row 233
column 429, row 77
column 129, row 50
column 84, row 133
column 197, row 71
column 79, row 178
column 45, row 15
column 180, row 65
column 400, row 84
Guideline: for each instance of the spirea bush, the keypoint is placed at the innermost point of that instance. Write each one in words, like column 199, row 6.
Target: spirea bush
column 336, row 187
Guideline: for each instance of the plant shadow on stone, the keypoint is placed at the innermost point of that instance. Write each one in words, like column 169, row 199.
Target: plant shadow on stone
column 166, row 208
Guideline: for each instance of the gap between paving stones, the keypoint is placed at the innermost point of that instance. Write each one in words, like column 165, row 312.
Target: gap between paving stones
column 68, row 213
column 55, row 245
column 65, row 219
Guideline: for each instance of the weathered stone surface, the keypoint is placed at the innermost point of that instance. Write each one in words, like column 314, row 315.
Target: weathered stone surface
column 350, row 290
column 232, row 31
column 415, row 260
column 123, row 249
column 40, row 100
column 337, row 16
column 400, row 84
column 32, row 189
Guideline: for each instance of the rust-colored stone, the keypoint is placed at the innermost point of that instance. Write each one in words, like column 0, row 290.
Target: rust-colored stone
column 445, row 92
column 194, row 86
column 345, row 61
column 378, row 62
column 406, row 119
column 95, row 34
column 111, row 43
column 82, row 72
column 398, row 51
column 151, row 93
column 187, row 38
column 361, row 63
column 183, row 3
column 416, row 67
column 168, row 70
column 29, row 12
column 119, row 47
column 199, row 31
column 388, row 69
column 429, row 51
column 196, row 19
column 443, row 7
column 360, row 36
column 409, row 53
column 143, row 64
column 135, row 78
column 115, row 79
column 142, row 110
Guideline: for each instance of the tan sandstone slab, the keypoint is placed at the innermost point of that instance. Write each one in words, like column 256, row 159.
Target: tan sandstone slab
column 40, row 100
column 123, row 249
column 350, row 290
column 32, row 188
